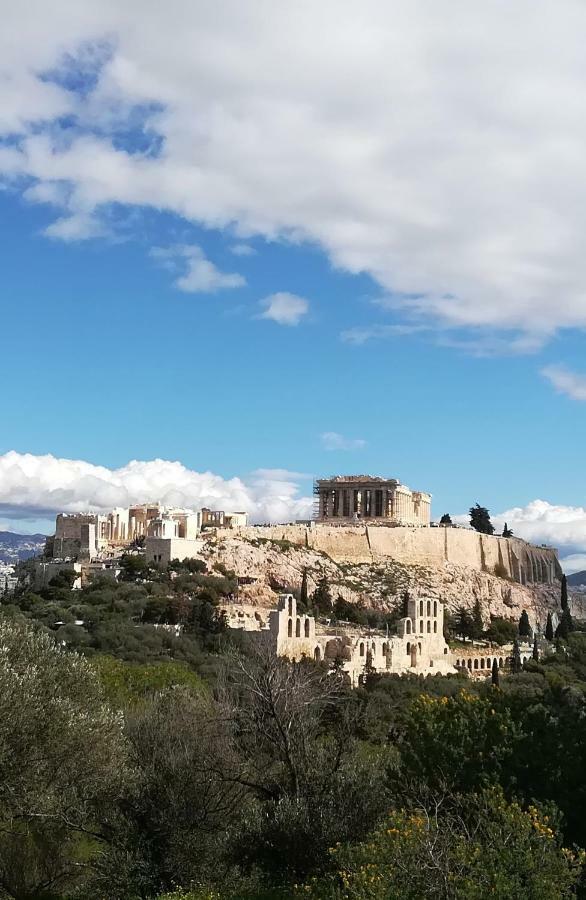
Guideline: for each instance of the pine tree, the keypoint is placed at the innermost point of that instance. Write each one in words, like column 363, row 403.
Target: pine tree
column 463, row 623
column 321, row 599
column 566, row 625
column 303, row 596
column 564, row 597
column 477, row 624
column 480, row 519
column 549, row 628
column 535, row 653
column 507, row 531
column 524, row 626
column 516, row 664
column 446, row 519
column 495, row 673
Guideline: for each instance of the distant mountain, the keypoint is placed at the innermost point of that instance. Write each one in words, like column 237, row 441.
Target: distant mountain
column 14, row 547
column 577, row 579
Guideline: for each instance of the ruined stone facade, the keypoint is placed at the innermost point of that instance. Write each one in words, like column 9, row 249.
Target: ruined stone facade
column 346, row 499
column 418, row 647
column 85, row 535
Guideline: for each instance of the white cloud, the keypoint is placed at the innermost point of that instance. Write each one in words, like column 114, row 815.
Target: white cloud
column 284, row 308
column 457, row 183
column 331, row 440
column 362, row 334
column 541, row 522
column 242, row 250
column 37, row 487
column 200, row 275
column 566, row 382
column 575, row 562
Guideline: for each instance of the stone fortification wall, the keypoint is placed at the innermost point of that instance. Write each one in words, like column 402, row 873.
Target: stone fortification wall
column 509, row 558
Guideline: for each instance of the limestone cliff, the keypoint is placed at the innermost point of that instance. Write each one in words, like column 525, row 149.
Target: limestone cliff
column 267, row 566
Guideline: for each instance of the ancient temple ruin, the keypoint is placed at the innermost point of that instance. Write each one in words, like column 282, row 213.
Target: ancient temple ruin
column 346, row 499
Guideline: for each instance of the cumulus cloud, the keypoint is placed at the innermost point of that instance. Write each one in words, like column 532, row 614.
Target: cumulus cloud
column 284, row 308
column 456, row 184
column 200, row 275
column 37, row 487
column 331, row 440
column 242, row 250
column 566, row 382
column 541, row 522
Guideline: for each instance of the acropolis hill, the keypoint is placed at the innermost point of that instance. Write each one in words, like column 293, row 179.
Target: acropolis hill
column 372, row 537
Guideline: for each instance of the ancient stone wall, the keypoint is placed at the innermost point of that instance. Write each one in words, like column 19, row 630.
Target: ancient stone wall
column 510, row 558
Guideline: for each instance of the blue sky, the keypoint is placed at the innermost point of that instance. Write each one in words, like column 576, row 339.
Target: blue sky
column 423, row 241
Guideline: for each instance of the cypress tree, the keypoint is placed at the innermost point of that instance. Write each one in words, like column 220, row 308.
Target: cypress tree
column 321, row 599
column 495, row 673
column 564, row 597
column 507, row 531
column 524, row 626
column 463, row 623
column 535, row 653
column 303, row 596
column 549, row 628
column 566, row 625
column 516, row 664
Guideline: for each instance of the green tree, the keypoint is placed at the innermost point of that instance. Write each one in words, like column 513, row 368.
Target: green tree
column 474, row 846
column 495, row 673
column 477, row 624
column 63, row 760
column 516, row 664
column 565, row 626
column 303, row 594
column 524, row 625
column 446, row 519
column 549, row 628
column 463, row 624
column 535, row 653
column 507, row 533
column 480, row 519
column 564, row 593
column 321, row 599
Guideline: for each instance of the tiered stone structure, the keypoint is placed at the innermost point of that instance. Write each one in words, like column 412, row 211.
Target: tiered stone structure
column 347, row 499
column 418, row 647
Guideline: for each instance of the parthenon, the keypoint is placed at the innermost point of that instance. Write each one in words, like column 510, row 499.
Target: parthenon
column 344, row 499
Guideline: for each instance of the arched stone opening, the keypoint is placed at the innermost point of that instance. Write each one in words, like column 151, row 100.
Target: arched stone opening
column 298, row 628
column 317, row 654
column 290, row 628
column 429, row 607
column 475, row 663
column 428, row 627
column 435, row 607
column 435, row 627
column 408, row 626
column 307, row 628
column 290, row 606
column 408, row 648
column 361, row 648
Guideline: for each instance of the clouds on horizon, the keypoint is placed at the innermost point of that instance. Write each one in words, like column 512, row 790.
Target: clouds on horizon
column 443, row 156
column 35, row 488
column 38, row 487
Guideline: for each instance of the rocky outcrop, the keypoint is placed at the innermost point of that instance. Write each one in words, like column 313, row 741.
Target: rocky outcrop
column 266, row 567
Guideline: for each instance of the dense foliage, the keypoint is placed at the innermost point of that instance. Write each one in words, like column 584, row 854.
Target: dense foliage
column 138, row 760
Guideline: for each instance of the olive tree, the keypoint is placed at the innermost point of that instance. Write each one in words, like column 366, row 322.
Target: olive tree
column 62, row 764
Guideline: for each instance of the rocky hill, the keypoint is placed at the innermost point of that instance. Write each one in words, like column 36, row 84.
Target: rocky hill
column 14, row 547
column 267, row 567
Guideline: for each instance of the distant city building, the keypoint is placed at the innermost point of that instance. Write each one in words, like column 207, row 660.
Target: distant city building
column 345, row 499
